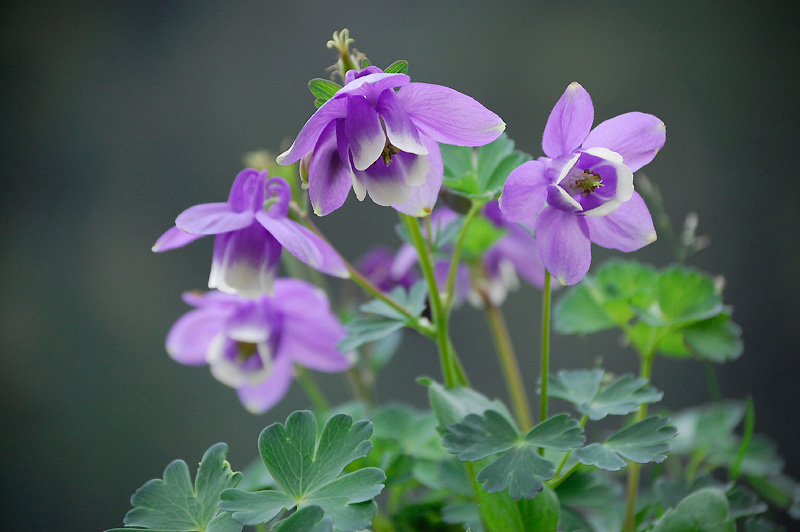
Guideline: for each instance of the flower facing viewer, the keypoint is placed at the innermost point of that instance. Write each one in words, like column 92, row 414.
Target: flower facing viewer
column 383, row 142
column 250, row 238
column 253, row 344
column 582, row 192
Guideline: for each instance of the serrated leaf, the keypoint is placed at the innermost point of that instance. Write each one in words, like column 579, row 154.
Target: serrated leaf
column 398, row 67
column 582, row 388
column 705, row 510
column 683, row 297
column 707, row 429
column 642, row 442
column 451, row 405
column 307, row 519
column 307, row 472
column 717, row 339
column 518, row 466
column 323, row 89
column 172, row 503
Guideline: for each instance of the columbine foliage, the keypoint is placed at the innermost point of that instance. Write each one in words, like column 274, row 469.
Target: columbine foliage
column 583, row 389
column 703, row 511
column 172, row 503
column 642, row 442
column 307, row 472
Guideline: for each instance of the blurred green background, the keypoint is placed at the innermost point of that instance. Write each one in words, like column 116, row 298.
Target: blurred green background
column 117, row 116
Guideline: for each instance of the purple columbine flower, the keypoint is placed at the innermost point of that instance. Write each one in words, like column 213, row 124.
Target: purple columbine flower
column 582, row 191
column 377, row 266
column 252, row 345
column 382, row 141
column 250, row 238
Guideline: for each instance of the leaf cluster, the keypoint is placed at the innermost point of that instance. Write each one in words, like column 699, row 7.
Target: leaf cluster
column 677, row 311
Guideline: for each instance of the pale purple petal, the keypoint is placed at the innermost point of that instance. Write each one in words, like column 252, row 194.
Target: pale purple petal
column 400, row 129
column 212, row 219
column 260, row 398
column 521, row 249
column 189, row 338
column 628, row 228
column 307, row 138
column 404, row 260
column 389, row 184
column 245, row 262
column 372, row 85
column 423, row 197
column 564, row 245
column 304, row 245
column 247, row 191
column 569, row 122
column 637, row 137
column 329, row 177
column 312, row 343
column 174, row 238
column 364, row 132
column 525, row 191
column 449, row 116
column 295, row 298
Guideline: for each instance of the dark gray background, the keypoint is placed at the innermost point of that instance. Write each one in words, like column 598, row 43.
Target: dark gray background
column 117, row 117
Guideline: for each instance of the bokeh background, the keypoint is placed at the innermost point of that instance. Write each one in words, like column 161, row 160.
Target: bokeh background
column 117, row 116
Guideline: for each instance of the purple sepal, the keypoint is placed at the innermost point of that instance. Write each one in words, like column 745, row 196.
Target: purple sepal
column 628, row 228
column 173, row 238
column 569, row 122
column 564, row 245
column 635, row 136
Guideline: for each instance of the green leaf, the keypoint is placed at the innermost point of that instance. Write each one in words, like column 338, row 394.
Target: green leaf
column 323, row 89
column 451, row 405
column 480, row 172
column 518, row 466
column 307, row 473
column 307, row 519
column 481, row 235
column 582, row 388
column 705, row 510
column 717, row 339
column 398, row 67
column 743, row 502
column 642, row 442
column 683, row 297
column 365, row 63
column 172, row 503
column 761, row 524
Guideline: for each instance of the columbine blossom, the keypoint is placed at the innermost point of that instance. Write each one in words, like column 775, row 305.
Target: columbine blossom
column 383, row 142
column 250, row 238
column 377, row 266
column 252, row 345
column 582, row 192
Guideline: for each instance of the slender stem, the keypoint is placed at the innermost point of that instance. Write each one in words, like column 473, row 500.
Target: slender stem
column 367, row 285
column 558, row 480
column 509, row 364
column 360, row 389
column 453, row 375
column 451, row 275
column 634, row 470
column 545, row 368
column 713, row 383
column 321, row 405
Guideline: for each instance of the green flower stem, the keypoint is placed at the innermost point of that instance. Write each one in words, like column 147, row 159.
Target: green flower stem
column 451, row 275
column 453, row 373
column 545, row 368
column 361, row 391
column 509, row 364
column 414, row 321
column 558, row 480
column 713, row 383
column 645, row 372
column 321, row 405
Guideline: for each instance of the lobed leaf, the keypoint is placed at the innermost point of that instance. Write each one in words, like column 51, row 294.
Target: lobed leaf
column 705, row 510
column 582, row 388
column 642, row 442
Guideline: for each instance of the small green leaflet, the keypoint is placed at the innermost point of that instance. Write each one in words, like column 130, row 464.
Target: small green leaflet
column 381, row 319
column 306, row 519
column 642, row 442
column 582, row 388
column 398, row 67
column 518, row 466
column 705, row 510
column 323, row 90
column 480, row 172
column 307, row 473
column 172, row 503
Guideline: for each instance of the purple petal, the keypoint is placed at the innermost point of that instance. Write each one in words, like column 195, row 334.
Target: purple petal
column 247, row 191
column 521, row 249
column 372, row 85
column 525, row 191
column 564, row 245
column 404, row 260
column 173, row 238
column 189, row 338
column 245, row 262
column 304, row 244
column 637, row 137
column 260, row 398
column 569, row 122
column 400, row 129
column 423, row 197
column 213, row 219
column 329, row 177
column 389, row 184
column 448, row 116
column 364, row 132
column 317, row 350
column 628, row 228
column 307, row 138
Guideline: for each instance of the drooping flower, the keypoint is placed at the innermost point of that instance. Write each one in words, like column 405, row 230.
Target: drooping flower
column 252, row 345
column 250, row 238
column 582, row 192
column 383, row 142
column 377, row 266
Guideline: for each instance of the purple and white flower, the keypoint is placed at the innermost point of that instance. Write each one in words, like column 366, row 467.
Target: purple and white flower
column 250, row 238
column 252, row 345
column 383, row 142
column 582, row 192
